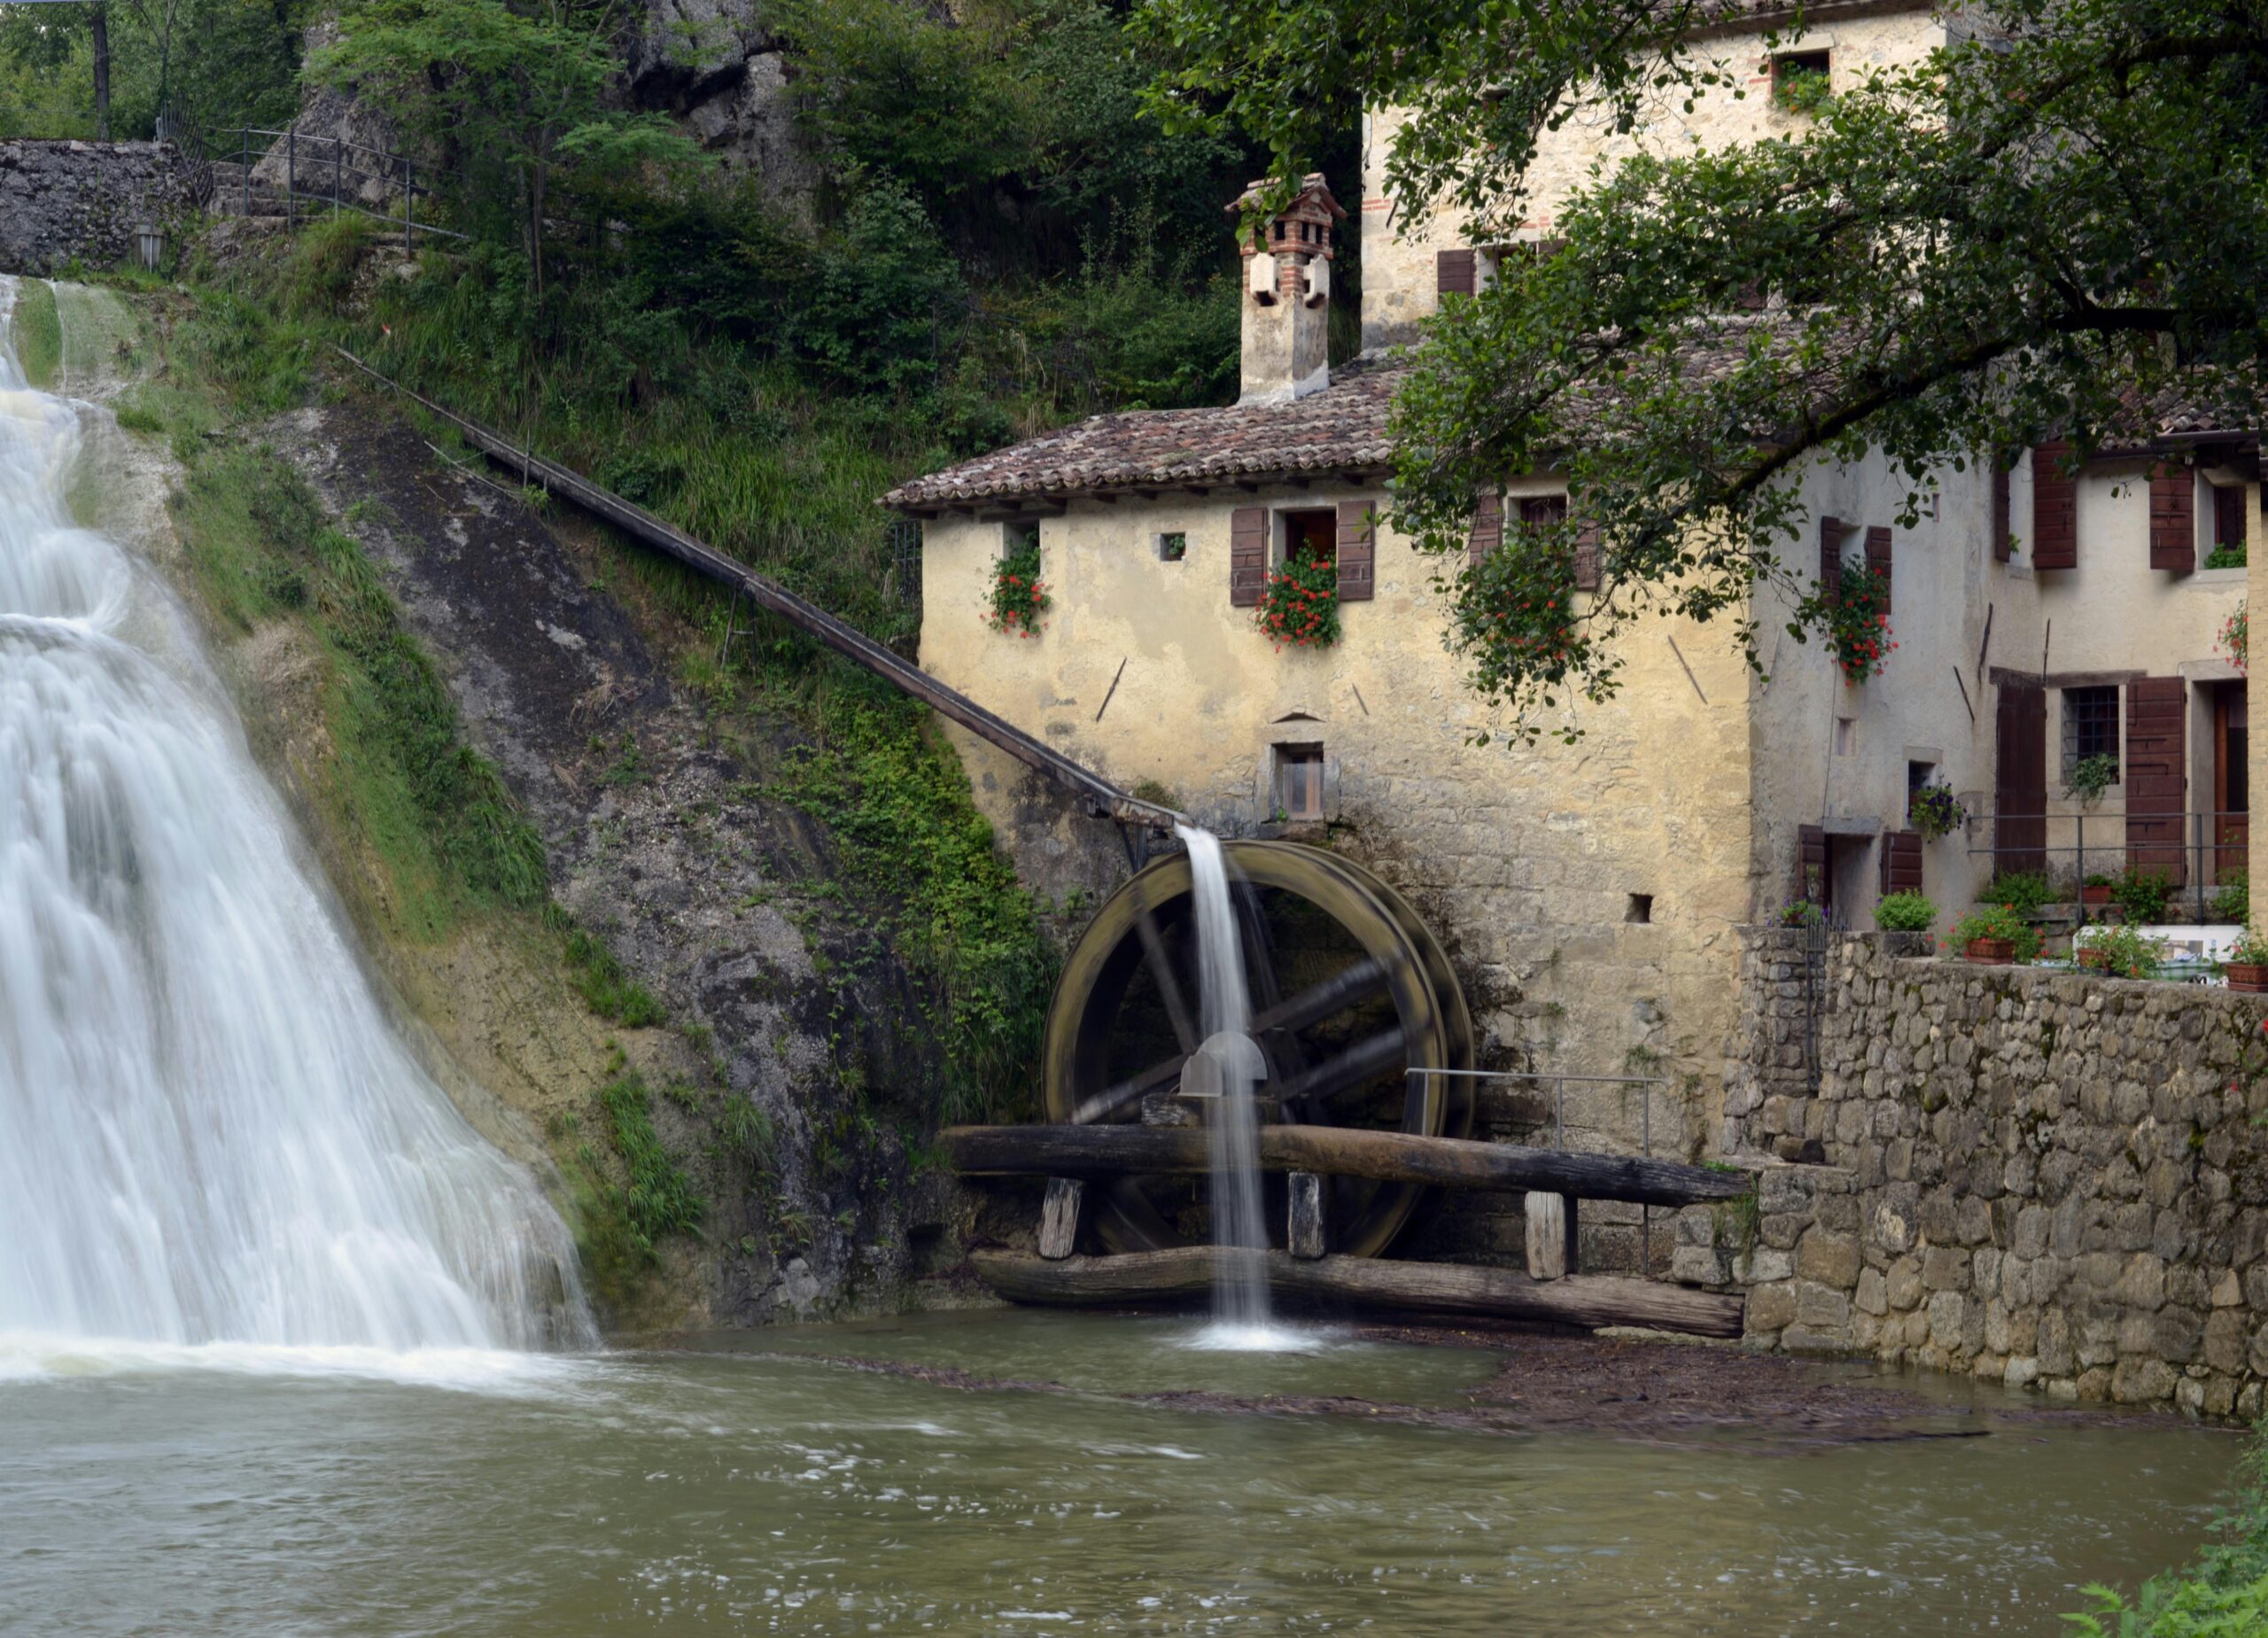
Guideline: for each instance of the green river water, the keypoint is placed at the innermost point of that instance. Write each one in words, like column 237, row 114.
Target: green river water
column 761, row 1484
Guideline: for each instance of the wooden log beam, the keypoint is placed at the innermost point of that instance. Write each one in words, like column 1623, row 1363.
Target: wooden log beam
column 1339, row 1152
column 1586, row 1300
column 852, row 644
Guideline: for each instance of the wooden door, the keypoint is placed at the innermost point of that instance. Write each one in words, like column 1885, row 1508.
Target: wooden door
column 2231, row 784
column 2155, row 779
column 2020, row 779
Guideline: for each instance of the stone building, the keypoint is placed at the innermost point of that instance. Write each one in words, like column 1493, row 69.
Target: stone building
column 1595, row 896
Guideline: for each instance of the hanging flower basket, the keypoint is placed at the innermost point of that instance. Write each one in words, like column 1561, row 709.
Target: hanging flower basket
column 1936, row 811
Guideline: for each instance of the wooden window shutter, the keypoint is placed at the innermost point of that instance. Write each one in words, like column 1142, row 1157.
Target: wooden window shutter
column 2020, row 779
column 1878, row 559
column 1247, row 556
column 1487, row 526
column 1586, row 557
column 1811, row 863
column 2173, row 519
column 1454, row 272
column 2155, row 774
column 1357, row 552
column 2055, row 509
column 1901, row 861
column 1831, row 558
column 2000, row 509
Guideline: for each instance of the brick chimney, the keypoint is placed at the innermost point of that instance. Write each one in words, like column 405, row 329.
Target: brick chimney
column 1287, row 292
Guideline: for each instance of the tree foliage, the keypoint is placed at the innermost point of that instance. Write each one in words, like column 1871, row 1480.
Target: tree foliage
column 2059, row 221
column 232, row 62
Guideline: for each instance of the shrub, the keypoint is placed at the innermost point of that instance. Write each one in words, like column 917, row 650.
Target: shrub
column 2232, row 900
column 1904, row 912
column 1801, row 912
column 1300, row 606
column 2124, row 951
column 2142, row 896
column 2022, row 891
column 2001, row 921
column 2091, row 776
column 2224, row 1590
column 2250, row 948
column 2227, row 557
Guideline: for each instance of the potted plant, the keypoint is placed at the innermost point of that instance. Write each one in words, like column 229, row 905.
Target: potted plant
column 2091, row 776
column 1935, row 811
column 1995, row 935
column 1858, row 624
column 1801, row 912
column 2142, row 896
column 2247, row 963
column 2120, row 952
column 1904, row 912
column 1300, row 606
column 1019, row 595
column 2096, row 890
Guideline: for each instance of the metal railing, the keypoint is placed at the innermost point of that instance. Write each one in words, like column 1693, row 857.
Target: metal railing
column 1558, row 1084
column 317, row 170
column 2193, row 850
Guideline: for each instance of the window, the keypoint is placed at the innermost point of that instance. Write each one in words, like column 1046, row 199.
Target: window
column 1543, row 511
column 1299, row 781
column 1917, row 775
column 1172, row 548
column 1640, row 909
column 2090, row 727
column 1847, row 736
column 1800, row 80
column 2226, row 550
column 1020, row 539
column 1307, row 537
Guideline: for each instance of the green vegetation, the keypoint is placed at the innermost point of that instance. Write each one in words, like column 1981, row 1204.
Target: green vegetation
column 2091, row 776
column 2121, row 951
column 231, row 60
column 2227, row 556
column 598, row 976
column 2232, row 899
column 38, row 332
column 2002, row 923
column 2024, row 891
column 1904, row 912
column 2141, row 895
column 2222, row 1593
column 657, row 1199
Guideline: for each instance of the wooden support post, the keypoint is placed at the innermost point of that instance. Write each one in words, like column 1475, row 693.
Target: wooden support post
column 1572, row 1254
column 1306, row 1235
column 1059, row 1218
column 1546, row 1235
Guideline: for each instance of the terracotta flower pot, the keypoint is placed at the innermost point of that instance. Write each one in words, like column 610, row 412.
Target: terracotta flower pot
column 1990, row 951
column 2247, row 979
column 2100, row 895
column 2097, row 959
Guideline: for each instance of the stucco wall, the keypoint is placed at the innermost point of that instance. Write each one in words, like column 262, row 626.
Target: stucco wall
column 2038, row 1176
column 1399, row 243
column 1523, row 859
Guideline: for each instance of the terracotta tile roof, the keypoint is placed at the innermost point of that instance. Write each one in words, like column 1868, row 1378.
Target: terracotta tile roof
column 1341, row 429
column 2205, row 408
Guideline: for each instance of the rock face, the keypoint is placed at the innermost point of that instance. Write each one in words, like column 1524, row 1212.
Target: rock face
column 66, row 201
column 2039, row 1177
column 712, row 64
column 343, row 138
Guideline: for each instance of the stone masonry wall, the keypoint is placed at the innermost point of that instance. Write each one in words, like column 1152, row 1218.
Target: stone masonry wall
column 2042, row 1178
column 64, row 201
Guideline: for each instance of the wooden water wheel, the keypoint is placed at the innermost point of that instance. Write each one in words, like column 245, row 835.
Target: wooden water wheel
column 1349, row 992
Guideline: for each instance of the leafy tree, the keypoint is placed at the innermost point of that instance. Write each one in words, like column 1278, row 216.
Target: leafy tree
column 109, row 66
column 2058, row 220
column 518, row 96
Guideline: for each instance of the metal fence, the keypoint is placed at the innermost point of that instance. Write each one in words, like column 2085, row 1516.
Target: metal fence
column 324, row 174
column 2194, row 851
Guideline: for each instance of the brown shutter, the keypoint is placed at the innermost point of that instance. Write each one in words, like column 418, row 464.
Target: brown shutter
column 1901, row 861
column 2000, row 509
column 1831, row 558
column 2173, row 519
column 1357, row 552
column 1452, row 272
column 1487, row 526
column 1587, row 556
column 1811, row 863
column 1878, row 559
column 2020, row 779
column 1247, row 556
column 2055, row 509
column 2154, row 774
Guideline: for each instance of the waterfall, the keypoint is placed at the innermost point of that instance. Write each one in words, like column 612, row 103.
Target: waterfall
column 1240, row 1310
column 209, row 1134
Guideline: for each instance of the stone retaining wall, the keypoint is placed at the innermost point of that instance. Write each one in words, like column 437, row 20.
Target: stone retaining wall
column 2035, row 1176
column 66, row 201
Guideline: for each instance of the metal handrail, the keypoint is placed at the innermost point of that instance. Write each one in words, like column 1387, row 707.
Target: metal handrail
column 2202, row 834
column 336, row 198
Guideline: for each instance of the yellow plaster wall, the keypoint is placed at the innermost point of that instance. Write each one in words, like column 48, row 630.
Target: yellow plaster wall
column 1522, row 859
column 1398, row 244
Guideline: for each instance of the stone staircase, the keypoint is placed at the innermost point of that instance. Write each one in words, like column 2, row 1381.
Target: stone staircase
column 230, row 197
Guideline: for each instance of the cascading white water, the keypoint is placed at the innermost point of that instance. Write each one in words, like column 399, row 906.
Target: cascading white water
column 209, row 1135
column 1240, row 1309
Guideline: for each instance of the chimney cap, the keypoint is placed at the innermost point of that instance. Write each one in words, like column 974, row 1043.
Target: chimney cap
column 1312, row 191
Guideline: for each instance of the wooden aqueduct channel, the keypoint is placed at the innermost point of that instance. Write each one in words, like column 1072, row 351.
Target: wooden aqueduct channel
column 1069, row 1155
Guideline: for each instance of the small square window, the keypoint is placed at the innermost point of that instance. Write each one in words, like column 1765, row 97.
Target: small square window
column 1172, row 548
column 1299, row 781
column 1847, row 736
column 1917, row 775
column 1641, row 908
column 2090, row 728
column 1307, row 537
column 1800, row 80
column 1020, row 539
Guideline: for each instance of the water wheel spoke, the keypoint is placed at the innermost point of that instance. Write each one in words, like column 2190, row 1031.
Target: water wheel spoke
column 1161, row 975
column 1285, row 1052
column 1356, row 1066
column 1334, row 994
